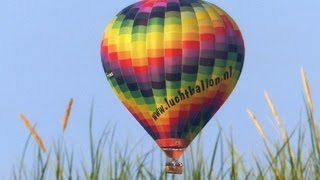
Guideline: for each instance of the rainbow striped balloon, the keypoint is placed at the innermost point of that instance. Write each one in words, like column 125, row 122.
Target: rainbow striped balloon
column 172, row 63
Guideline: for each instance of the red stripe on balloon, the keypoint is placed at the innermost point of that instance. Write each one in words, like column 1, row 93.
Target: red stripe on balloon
column 191, row 44
column 126, row 63
column 207, row 37
column 220, row 30
column 113, row 56
column 104, row 49
column 156, row 61
column 141, row 70
column 173, row 52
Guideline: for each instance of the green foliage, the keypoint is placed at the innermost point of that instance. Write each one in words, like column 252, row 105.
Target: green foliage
column 295, row 156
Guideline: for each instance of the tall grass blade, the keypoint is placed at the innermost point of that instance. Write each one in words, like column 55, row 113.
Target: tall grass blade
column 70, row 164
column 261, row 132
column 214, row 156
column 21, row 167
column 93, row 176
column 44, row 167
column 314, row 130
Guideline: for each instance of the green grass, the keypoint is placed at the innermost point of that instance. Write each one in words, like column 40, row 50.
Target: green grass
column 296, row 155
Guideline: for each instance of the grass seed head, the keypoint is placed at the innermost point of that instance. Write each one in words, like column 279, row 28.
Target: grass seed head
column 275, row 116
column 307, row 90
column 67, row 115
column 272, row 108
column 33, row 132
column 256, row 124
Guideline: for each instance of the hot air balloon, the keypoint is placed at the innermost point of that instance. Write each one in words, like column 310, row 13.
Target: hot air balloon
column 172, row 63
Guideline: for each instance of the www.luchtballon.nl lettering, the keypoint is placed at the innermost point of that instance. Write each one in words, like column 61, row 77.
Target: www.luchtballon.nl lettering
column 189, row 92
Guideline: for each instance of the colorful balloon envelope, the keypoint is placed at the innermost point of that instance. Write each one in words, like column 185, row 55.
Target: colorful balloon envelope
column 172, row 63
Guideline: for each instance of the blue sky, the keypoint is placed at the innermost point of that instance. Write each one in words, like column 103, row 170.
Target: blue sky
column 49, row 52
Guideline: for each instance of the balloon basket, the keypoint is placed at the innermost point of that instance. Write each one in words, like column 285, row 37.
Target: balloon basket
column 174, row 167
column 173, row 148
